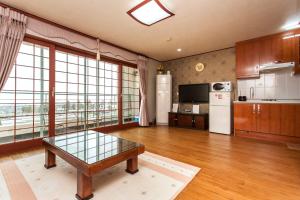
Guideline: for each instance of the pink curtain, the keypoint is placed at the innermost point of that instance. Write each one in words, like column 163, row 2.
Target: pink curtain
column 144, row 115
column 12, row 31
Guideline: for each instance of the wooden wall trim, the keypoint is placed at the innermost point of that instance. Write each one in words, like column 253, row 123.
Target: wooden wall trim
column 10, row 148
column 110, row 129
column 198, row 54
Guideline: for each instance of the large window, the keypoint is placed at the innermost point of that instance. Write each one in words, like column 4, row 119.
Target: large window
column 85, row 93
column 24, row 101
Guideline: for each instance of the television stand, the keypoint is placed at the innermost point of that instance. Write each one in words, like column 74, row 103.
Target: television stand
column 188, row 120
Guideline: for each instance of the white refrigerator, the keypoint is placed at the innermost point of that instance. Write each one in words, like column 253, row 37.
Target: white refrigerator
column 163, row 98
column 220, row 112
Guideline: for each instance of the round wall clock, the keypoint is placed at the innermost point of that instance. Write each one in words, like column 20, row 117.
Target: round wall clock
column 199, row 67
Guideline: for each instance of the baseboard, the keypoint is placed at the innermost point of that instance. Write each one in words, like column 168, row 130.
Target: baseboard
column 267, row 137
column 10, row 148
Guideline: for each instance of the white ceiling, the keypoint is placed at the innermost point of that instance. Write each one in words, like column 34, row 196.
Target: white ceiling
column 198, row 25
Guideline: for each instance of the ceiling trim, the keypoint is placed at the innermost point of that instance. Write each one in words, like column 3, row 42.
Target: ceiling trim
column 70, row 29
column 198, row 54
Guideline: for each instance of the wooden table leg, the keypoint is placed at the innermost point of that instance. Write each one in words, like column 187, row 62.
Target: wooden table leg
column 84, row 186
column 132, row 165
column 50, row 159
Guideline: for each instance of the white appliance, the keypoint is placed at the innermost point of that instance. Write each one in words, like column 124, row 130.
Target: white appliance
column 221, row 87
column 276, row 66
column 220, row 108
column 163, row 98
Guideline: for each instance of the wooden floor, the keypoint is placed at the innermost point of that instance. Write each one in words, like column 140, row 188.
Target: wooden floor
column 231, row 167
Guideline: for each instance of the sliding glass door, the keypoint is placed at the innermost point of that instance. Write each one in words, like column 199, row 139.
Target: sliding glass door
column 85, row 93
column 131, row 95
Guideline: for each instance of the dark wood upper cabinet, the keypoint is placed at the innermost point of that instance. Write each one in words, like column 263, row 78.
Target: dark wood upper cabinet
column 270, row 50
column 277, row 48
column 297, row 53
column 247, row 59
column 289, row 49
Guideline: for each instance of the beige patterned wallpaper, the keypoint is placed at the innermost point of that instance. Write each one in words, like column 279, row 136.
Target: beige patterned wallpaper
column 219, row 66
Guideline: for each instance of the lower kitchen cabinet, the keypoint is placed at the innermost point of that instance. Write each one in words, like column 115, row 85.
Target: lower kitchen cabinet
column 263, row 119
column 275, row 118
column 266, row 120
column 297, row 127
column 288, row 120
column 244, row 117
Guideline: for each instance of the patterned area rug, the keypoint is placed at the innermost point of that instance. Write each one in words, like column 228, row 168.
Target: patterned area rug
column 293, row 146
column 159, row 178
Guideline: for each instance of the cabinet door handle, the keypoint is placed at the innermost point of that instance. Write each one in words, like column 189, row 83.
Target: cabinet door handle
column 258, row 109
column 254, row 108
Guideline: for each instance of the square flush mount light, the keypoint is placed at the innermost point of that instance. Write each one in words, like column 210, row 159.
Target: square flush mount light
column 150, row 12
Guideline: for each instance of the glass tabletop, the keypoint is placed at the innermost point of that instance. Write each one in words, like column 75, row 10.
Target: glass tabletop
column 90, row 146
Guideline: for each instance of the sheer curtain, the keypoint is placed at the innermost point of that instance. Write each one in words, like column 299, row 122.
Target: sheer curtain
column 12, row 31
column 144, row 115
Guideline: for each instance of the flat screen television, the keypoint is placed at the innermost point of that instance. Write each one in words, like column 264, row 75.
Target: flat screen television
column 194, row 93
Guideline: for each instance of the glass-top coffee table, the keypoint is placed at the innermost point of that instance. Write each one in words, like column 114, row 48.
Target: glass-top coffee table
column 90, row 152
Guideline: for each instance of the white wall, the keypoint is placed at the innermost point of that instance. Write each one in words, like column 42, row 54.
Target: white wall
column 276, row 85
column 151, row 88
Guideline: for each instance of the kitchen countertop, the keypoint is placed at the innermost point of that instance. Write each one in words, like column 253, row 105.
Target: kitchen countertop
column 271, row 102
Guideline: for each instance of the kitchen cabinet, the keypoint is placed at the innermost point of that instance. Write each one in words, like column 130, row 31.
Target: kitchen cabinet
column 244, row 117
column 280, row 121
column 247, row 59
column 289, row 52
column 275, row 118
column 277, row 48
column 297, row 128
column 288, row 119
column 270, row 49
column 263, row 118
column 297, row 52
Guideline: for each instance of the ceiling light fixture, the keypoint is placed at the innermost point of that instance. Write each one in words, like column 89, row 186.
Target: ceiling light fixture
column 296, row 19
column 150, row 12
column 179, row 50
column 292, row 26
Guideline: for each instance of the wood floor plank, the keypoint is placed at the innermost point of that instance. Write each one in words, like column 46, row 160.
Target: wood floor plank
column 231, row 167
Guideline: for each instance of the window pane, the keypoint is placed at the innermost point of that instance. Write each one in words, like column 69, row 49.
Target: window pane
column 26, row 48
column 130, row 94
